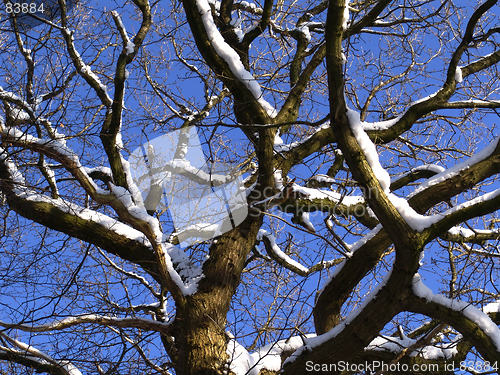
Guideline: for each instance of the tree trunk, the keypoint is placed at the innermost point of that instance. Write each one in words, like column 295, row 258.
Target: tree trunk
column 200, row 324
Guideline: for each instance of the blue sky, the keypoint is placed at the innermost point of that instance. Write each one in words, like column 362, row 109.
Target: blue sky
column 189, row 87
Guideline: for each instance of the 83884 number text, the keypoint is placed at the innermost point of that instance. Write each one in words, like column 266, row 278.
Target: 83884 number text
column 24, row 8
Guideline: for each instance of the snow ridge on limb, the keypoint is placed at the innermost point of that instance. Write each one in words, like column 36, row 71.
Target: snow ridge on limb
column 369, row 149
column 422, row 171
column 71, row 321
column 313, row 342
column 85, row 70
column 457, row 168
column 415, row 220
column 463, row 316
column 128, row 45
column 229, row 55
column 401, row 344
column 38, row 359
column 25, row 193
column 281, row 257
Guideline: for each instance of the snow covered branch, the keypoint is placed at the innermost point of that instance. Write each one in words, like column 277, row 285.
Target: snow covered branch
column 460, row 234
column 226, row 62
column 282, row 258
column 299, row 200
column 109, row 321
column 28, row 355
column 85, row 70
column 128, row 45
column 471, row 322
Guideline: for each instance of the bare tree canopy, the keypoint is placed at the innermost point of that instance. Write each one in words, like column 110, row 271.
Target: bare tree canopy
column 249, row 187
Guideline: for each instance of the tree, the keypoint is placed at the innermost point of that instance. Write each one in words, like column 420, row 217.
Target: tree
column 364, row 134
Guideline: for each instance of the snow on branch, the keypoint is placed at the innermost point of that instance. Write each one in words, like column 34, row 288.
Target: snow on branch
column 26, row 113
column 422, row 171
column 249, row 7
column 417, row 221
column 480, row 318
column 461, row 234
column 300, row 201
column 492, row 308
column 404, row 344
column 313, row 193
column 313, row 342
column 276, row 253
column 128, row 45
column 281, row 147
column 231, row 57
column 142, row 323
column 18, row 188
column 13, row 98
column 57, row 150
column 485, row 203
column 473, row 103
column 369, row 149
column 86, row 214
column 268, row 357
column 85, row 70
column 34, row 356
column 457, row 168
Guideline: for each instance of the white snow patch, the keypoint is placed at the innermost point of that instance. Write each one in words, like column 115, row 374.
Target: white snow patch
column 311, row 193
column 414, row 219
column 437, row 351
column 426, row 167
column 265, row 358
column 307, row 221
column 323, row 178
column 278, row 179
column 390, row 344
column 398, row 344
column 458, row 75
column 493, row 307
column 461, row 231
column 345, row 18
column 277, row 139
column 287, row 147
column 19, row 114
column 129, row 45
column 304, row 29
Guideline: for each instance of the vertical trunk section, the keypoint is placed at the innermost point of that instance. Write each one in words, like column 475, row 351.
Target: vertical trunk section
column 200, row 335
